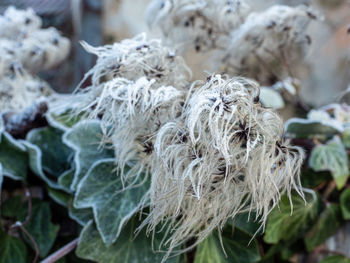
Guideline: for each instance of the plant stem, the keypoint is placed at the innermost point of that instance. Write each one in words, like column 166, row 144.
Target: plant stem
column 61, row 252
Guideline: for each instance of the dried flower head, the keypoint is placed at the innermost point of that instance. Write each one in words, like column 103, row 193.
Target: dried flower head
column 197, row 23
column 138, row 57
column 225, row 155
column 268, row 44
column 25, row 48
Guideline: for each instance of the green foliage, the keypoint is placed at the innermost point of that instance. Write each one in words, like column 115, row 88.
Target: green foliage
column 327, row 224
column 85, row 139
column 102, row 190
column 286, row 222
column 238, row 246
column 336, row 259
column 13, row 157
column 128, row 247
column 55, row 155
column 345, row 204
column 12, row 249
column 331, row 157
column 302, row 128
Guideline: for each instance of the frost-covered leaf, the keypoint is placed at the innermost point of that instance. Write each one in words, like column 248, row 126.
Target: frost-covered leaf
column 40, row 227
column 336, row 259
column 346, row 138
column 285, row 223
column 238, row 246
column 12, row 250
column 102, row 190
column 13, row 157
column 85, row 139
column 64, row 120
column 56, row 155
column 127, row 248
column 35, row 164
column 271, row 98
column 66, row 179
column 345, row 204
column 81, row 215
column 327, row 224
column 304, row 128
column 59, row 197
column 331, row 157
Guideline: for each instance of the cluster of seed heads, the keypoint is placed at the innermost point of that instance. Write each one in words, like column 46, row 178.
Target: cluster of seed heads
column 26, row 48
column 264, row 46
column 211, row 150
column 201, row 24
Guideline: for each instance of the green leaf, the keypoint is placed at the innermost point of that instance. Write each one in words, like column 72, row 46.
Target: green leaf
column 303, row 128
column 237, row 245
column 345, row 204
column 284, row 223
column 40, row 227
column 12, row 250
column 102, row 190
column 66, row 180
column 13, row 157
column 12, row 206
column 311, row 179
column 85, row 139
column 82, row 215
column 35, row 164
column 64, row 120
column 346, row 138
column 331, row 157
column 128, row 248
column 247, row 223
column 60, row 197
column 56, row 155
column 327, row 224
column 336, row 259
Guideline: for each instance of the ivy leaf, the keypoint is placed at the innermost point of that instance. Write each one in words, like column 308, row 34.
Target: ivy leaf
column 64, row 120
column 237, row 245
column 327, row 224
column 13, row 157
column 331, row 157
column 35, row 164
column 127, row 248
column 12, row 249
column 345, row 204
column 270, row 98
column 85, row 139
column 60, row 197
column 285, row 224
column 55, row 156
column 304, row 128
column 82, row 216
column 12, row 206
column 40, row 226
column 336, row 259
column 247, row 223
column 66, row 179
column 102, row 190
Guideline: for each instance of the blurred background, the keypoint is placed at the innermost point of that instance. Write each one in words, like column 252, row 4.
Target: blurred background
column 325, row 75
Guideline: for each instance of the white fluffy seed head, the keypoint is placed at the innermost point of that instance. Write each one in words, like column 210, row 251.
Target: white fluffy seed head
column 138, row 57
column 201, row 24
column 269, row 44
column 218, row 160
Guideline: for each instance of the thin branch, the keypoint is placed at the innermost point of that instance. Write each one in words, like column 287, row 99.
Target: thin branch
column 61, row 252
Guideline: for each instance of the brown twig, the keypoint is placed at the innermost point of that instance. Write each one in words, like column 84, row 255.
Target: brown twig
column 331, row 186
column 61, row 252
